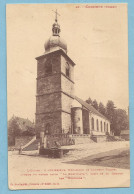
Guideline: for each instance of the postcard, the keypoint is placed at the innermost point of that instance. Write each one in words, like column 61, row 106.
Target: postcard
column 67, row 86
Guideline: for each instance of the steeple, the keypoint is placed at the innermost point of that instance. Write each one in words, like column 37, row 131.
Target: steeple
column 55, row 86
column 56, row 26
column 55, row 41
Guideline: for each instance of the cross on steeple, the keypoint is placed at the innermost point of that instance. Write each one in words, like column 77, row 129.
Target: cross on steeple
column 56, row 14
column 56, row 26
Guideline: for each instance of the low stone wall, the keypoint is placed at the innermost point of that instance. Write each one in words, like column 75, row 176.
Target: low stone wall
column 70, row 139
column 98, row 133
column 125, row 137
column 22, row 140
column 62, row 139
column 97, row 138
column 80, row 135
column 81, row 138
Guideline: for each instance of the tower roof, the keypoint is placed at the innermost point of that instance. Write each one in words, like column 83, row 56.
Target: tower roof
column 55, row 41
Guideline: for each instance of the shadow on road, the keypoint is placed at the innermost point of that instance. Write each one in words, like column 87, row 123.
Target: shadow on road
column 118, row 158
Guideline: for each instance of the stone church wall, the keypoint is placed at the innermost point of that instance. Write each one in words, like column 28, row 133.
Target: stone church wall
column 85, row 116
column 22, row 140
column 53, row 119
column 77, row 120
column 41, row 67
column 100, row 119
column 54, row 59
column 48, row 103
column 67, row 86
column 63, row 67
column 66, row 122
column 66, row 102
column 49, row 84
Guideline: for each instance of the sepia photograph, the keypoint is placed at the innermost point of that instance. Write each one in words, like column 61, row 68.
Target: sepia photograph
column 68, row 99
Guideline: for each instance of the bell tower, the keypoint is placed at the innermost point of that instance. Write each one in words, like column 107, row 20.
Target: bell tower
column 55, row 86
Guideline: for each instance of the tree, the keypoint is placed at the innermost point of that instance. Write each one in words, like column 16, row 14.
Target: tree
column 89, row 101
column 121, row 121
column 101, row 108
column 95, row 104
column 110, row 108
column 110, row 114
column 118, row 118
column 13, row 131
column 29, row 131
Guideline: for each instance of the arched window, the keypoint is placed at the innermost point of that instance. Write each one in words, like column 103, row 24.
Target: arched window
column 67, row 70
column 104, row 127
column 101, row 126
column 48, row 129
column 92, row 123
column 97, row 123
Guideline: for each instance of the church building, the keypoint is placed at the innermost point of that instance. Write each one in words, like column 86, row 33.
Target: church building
column 58, row 110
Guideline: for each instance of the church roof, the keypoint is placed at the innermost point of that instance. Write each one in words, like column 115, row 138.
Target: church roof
column 89, row 107
column 55, row 42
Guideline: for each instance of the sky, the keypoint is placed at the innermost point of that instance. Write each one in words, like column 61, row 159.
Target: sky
column 97, row 41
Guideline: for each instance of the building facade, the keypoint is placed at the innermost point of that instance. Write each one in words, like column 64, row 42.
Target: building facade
column 87, row 120
column 55, row 112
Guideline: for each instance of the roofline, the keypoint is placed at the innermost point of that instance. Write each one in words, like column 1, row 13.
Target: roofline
column 58, row 50
column 98, row 113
